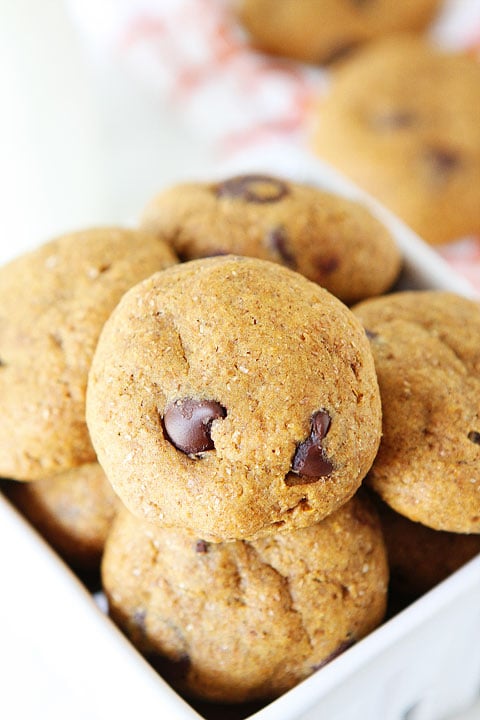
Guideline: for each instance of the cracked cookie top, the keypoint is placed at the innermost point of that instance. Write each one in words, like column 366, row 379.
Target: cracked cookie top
column 427, row 357
column 53, row 304
column 246, row 620
column 232, row 397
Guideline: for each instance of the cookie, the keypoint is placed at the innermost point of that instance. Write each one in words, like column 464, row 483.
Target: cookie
column 230, row 397
column 72, row 510
column 332, row 241
column 237, row 621
column 419, row 557
column 427, row 357
column 53, row 304
column 321, row 31
column 403, row 121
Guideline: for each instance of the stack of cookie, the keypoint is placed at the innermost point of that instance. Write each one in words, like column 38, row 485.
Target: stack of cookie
column 234, row 407
column 53, row 304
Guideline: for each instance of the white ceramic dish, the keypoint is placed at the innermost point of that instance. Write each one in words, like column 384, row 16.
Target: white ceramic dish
column 424, row 664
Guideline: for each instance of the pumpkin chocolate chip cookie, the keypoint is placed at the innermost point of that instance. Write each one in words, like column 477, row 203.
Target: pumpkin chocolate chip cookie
column 321, row 31
column 403, row 121
column 53, row 304
column 332, row 241
column 427, row 358
column 239, row 621
column 232, row 397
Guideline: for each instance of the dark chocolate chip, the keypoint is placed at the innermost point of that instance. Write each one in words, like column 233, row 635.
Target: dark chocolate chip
column 327, row 265
column 474, row 436
column 310, row 460
column 393, row 120
column 201, row 547
column 441, row 162
column 338, row 651
column 253, row 188
column 188, row 422
column 277, row 240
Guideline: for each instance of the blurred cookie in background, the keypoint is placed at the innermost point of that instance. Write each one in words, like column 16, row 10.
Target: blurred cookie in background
column 402, row 119
column 320, row 31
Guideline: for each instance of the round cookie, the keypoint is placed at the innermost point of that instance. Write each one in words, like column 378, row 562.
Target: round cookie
column 427, row 357
column 419, row 557
column 53, row 304
column 332, row 241
column 403, row 121
column 320, row 31
column 230, row 397
column 238, row 621
column 72, row 510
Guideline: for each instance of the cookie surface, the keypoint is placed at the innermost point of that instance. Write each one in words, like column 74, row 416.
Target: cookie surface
column 231, row 396
column 403, row 121
column 427, row 358
column 321, row 30
column 53, row 304
column 332, row 241
column 237, row 621
column 72, row 510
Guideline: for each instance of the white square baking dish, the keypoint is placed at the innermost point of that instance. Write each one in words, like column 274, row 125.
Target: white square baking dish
column 63, row 657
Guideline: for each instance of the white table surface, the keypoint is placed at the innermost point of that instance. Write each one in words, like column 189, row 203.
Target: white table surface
column 80, row 146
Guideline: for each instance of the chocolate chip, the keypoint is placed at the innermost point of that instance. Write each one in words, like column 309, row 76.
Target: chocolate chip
column 201, row 547
column 441, row 162
column 277, row 240
column 327, row 265
column 2, row 363
column 474, row 436
column 393, row 119
column 338, row 651
column 187, row 424
column 310, row 460
column 370, row 334
column 253, row 188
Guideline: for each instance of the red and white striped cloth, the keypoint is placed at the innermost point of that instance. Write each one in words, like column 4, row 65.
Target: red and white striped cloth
column 198, row 59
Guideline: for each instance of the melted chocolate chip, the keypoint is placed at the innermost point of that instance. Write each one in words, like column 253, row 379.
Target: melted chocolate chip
column 310, row 460
column 187, row 424
column 474, row 436
column 201, row 547
column 277, row 240
column 253, row 188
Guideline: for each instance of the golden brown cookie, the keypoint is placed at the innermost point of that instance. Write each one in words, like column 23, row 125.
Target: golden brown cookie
column 419, row 557
column 427, row 357
column 53, row 304
column 403, row 121
column 320, row 31
column 230, row 397
column 73, row 511
column 332, row 241
column 243, row 620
